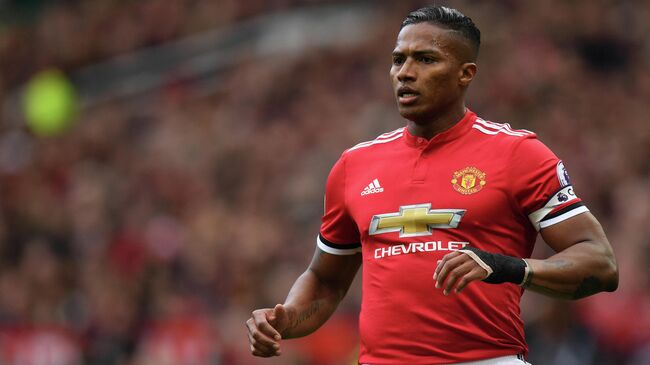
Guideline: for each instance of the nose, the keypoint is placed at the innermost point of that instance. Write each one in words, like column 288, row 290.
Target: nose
column 407, row 71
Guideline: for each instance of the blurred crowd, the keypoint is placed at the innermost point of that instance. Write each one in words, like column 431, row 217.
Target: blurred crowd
column 148, row 231
column 74, row 33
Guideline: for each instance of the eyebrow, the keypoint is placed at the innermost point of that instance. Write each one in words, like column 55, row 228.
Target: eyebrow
column 418, row 53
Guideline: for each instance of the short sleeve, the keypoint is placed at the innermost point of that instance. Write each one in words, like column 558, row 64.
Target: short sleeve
column 541, row 185
column 339, row 234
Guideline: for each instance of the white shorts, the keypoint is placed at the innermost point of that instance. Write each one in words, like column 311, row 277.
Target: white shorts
column 503, row 360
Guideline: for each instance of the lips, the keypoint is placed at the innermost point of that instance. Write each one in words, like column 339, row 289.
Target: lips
column 407, row 95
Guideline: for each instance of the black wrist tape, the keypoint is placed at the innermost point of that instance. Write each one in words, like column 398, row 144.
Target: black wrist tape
column 506, row 269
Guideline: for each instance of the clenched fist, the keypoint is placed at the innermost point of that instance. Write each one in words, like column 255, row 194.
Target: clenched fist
column 264, row 330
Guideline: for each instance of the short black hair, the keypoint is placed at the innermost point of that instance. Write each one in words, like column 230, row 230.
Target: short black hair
column 449, row 18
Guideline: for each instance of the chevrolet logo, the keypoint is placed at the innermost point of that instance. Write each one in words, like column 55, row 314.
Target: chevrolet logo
column 415, row 220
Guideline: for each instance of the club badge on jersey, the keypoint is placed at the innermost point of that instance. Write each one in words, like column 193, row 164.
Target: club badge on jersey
column 469, row 180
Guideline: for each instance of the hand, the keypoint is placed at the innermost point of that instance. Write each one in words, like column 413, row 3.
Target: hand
column 456, row 270
column 264, row 328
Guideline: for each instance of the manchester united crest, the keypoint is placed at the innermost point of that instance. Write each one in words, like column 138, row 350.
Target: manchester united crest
column 469, row 180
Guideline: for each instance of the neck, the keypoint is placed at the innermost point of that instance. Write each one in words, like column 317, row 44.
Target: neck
column 432, row 126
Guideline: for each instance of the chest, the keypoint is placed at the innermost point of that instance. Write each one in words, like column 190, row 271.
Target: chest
column 414, row 192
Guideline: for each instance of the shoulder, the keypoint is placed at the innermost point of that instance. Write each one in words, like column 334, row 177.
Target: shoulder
column 364, row 151
column 501, row 130
column 503, row 137
column 383, row 140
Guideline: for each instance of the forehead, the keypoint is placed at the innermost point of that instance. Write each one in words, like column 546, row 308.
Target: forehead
column 428, row 36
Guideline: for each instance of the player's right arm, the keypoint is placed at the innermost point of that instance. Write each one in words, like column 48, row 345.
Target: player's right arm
column 318, row 291
column 311, row 301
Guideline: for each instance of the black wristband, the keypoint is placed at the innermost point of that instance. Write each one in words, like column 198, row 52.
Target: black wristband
column 505, row 269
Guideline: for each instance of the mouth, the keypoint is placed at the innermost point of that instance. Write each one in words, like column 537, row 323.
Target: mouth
column 407, row 95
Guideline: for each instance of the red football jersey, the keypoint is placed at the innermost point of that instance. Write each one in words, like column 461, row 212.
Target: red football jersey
column 405, row 201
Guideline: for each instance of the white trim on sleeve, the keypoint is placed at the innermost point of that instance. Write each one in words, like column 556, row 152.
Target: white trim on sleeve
column 564, row 196
column 563, row 217
column 336, row 251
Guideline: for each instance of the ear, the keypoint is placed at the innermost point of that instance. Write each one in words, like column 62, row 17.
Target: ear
column 466, row 74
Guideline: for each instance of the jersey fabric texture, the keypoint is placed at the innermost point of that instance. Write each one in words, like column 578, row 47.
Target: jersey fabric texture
column 404, row 202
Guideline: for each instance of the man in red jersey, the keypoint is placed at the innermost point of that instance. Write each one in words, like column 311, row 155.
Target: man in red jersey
column 450, row 203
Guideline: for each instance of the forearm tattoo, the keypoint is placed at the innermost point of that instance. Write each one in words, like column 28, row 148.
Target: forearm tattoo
column 588, row 286
column 305, row 315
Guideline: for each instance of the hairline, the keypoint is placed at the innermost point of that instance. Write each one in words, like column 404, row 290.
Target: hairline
column 472, row 48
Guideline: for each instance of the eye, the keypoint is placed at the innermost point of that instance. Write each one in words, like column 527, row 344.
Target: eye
column 427, row 59
column 398, row 60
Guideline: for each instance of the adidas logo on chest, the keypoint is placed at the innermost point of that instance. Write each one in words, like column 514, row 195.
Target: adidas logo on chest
column 372, row 188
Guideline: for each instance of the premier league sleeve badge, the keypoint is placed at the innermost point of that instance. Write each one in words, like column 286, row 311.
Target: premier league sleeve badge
column 562, row 175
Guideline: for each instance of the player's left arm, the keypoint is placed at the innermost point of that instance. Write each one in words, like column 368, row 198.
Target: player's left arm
column 583, row 265
column 584, row 262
